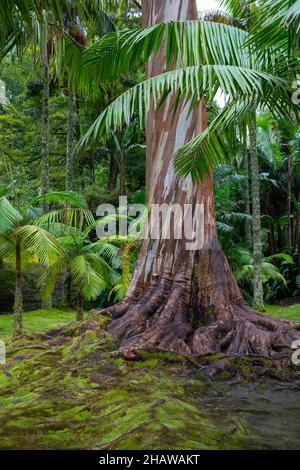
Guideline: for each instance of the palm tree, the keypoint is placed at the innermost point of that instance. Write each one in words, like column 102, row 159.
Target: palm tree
column 24, row 241
column 89, row 265
column 242, row 263
column 47, row 29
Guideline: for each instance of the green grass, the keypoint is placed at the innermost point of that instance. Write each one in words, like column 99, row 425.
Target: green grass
column 45, row 319
column 38, row 320
column 284, row 313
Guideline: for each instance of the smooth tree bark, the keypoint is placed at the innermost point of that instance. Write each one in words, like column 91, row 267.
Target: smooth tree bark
column 258, row 292
column 18, row 305
column 186, row 300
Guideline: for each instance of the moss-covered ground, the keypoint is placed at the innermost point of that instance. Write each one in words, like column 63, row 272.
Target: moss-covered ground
column 70, row 391
column 37, row 320
column 291, row 312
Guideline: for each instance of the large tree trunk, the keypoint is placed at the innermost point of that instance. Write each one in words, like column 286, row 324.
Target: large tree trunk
column 258, row 293
column 18, row 305
column 186, row 301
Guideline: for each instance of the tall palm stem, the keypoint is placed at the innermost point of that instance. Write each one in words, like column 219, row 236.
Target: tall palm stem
column 45, row 133
column 289, row 202
column 70, row 141
column 258, row 295
column 18, row 305
column 248, row 227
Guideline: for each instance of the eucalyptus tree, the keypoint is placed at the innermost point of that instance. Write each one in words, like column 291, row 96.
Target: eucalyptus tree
column 23, row 240
column 172, row 283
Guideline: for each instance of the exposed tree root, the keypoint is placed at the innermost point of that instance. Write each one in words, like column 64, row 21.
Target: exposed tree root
column 160, row 319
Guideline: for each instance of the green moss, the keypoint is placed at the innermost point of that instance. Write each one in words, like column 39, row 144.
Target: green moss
column 76, row 395
column 284, row 313
column 38, row 320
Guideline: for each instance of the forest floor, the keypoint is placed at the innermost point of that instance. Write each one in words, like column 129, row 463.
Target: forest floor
column 46, row 319
column 37, row 320
column 72, row 392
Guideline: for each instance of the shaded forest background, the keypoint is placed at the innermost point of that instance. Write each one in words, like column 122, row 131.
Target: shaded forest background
column 115, row 165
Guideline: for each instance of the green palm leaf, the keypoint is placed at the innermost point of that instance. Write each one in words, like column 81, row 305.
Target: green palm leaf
column 9, row 216
column 86, row 278
column 39, row 243
column 62, row 197
column 197, row 81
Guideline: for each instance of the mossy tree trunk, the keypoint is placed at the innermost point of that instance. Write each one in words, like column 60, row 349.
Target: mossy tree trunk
column 185, row 299
column 289, row 201
column 45, row 185
column 248, row 225
column 298, row 228
column 258, row 292
column 18, row 305
column 45, row 133
column 70, row 141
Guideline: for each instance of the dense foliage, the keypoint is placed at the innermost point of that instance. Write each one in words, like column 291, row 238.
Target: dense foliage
column 65, row 71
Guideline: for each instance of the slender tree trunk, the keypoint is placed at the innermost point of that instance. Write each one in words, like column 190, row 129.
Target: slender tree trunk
column 18, row 305
column 46, row 304
column 182, row 298
column 112, row 181
column 289, row 202
column 45, row 134
column 122, row 174
column 248, row 225
column 258, row 293
column 68, row 282
column 298, row 229
column 279, row 236
column 79, row 311
column 70, row 142
column 272, row 240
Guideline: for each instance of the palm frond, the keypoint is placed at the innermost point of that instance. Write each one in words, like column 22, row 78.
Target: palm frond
column 280, row 257
column 197, row 80
column 278, row 25
column 72, row 217
column 61, row 197
column 224, row 228
column 49, row 277
column 9, row 216
column 39, row 243
column 85, row 278
column 187, row 43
